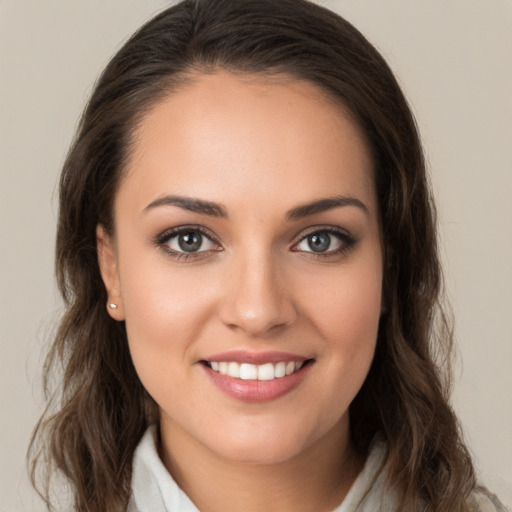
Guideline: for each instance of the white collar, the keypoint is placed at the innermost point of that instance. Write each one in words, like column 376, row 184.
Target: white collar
column 154, row 489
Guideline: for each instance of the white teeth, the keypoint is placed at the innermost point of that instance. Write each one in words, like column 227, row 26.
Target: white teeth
column 266, row 372
column 234, row 370
column 223, row 368
column 280, row 370
column 247, row 371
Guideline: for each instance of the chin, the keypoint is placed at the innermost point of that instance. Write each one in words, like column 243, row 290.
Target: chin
column 272, row 445
column 264, row 453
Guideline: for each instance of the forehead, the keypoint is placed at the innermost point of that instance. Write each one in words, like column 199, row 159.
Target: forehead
column 225, row 136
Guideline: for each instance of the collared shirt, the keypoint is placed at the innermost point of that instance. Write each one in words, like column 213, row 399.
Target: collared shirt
column 154, row 490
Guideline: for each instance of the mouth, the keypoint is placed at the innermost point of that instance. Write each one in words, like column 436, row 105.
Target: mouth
column 257, row 381
column 260, row 372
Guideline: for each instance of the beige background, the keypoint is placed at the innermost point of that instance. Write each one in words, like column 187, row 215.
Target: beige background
column 454, row 59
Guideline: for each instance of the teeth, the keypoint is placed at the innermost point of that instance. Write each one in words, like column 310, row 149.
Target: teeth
column 246, row 371
column 266, row 372
column 234, row 370
column 280, row 370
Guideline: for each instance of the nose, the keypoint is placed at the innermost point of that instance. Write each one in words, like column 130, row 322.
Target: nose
column 257, row 299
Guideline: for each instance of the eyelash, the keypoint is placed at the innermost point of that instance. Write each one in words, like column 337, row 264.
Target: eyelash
column 163, row 239
column 347, row 241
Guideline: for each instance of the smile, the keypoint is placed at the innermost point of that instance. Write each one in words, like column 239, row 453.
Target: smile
column 248, row 371
column 256, row 377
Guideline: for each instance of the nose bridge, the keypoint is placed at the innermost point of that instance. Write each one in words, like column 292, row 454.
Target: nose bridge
column 258, row 299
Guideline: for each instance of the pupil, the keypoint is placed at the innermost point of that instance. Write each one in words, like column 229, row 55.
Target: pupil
column 319, row 242
column 190, row 241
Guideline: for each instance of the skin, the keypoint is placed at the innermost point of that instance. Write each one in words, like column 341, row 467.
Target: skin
column 259, row 149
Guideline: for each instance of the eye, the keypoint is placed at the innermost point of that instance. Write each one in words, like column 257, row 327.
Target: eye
column 190, row 241
column 186, row 242
column 325, row 242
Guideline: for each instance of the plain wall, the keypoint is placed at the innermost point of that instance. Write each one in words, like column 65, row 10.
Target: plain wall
column 454, row 60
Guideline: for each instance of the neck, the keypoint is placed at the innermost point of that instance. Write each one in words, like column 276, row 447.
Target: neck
column 316, row 479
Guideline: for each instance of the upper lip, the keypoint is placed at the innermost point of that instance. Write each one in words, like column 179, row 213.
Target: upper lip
column 245, row 356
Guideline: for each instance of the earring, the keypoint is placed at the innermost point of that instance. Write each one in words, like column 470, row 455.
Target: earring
column 112, row 306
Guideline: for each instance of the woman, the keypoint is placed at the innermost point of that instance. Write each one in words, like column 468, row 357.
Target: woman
column 246, row 246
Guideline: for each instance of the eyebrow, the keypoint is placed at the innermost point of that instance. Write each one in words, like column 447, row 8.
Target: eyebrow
column 191, row 204
column 322, row 205
column 218, row 210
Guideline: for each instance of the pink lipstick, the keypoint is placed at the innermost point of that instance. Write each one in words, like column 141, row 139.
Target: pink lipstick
column 256, row 377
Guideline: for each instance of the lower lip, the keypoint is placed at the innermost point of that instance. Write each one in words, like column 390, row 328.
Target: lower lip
column 257, row 390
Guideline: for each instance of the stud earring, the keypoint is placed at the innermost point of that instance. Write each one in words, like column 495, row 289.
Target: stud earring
column 112, row 306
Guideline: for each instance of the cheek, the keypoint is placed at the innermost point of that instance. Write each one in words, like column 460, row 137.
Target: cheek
column 346, row 303
column 159, row 298
column 345, row 311
column 164, row 318
column 164, row 314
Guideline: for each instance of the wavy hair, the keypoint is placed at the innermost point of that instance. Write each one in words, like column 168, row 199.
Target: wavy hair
column 98, row 409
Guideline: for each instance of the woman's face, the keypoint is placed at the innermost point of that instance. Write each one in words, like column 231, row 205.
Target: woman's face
column 247, row 264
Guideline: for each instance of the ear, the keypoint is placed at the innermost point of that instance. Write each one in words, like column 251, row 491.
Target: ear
column 107, row 260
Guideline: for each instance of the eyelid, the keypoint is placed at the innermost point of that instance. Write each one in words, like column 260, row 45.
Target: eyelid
column 162, row 239
column 171, row 232
column 347, row 239
column 322, row 229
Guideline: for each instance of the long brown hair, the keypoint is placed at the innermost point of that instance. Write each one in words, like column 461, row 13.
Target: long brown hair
column 99, row 410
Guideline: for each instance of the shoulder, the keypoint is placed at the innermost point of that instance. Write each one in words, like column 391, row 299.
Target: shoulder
column 482, row 500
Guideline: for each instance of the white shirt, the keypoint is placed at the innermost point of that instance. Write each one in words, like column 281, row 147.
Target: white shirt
column 154, row 490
